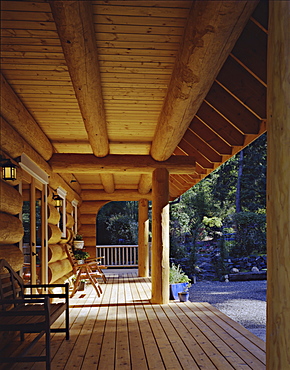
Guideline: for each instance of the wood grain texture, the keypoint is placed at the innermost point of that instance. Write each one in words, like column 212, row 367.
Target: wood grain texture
column 86, row 163
column 160, row 236
column 13, row 110
column 74, row 23
column 210, row 24
column 278, row 188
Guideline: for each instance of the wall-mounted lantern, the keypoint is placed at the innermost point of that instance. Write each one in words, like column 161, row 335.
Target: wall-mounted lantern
column 8, row 169
column 58, row 200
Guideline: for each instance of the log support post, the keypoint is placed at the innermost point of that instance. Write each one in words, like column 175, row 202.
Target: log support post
column 278, row 188
column 143, row 234
column 160, row 236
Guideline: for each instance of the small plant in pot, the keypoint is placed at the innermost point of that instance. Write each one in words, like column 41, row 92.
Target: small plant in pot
column 81, row 256
column 178, row 281
column 184, row 295
column 78, row 241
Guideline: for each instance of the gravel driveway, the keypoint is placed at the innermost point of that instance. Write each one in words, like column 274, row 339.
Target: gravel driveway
column 243, row 301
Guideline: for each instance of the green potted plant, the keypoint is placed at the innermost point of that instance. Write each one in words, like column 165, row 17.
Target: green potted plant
column 178, row 281
column 78, row 241
column 81, row 256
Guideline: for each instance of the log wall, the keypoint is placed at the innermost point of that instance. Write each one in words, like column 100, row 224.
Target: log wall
column 11, row 229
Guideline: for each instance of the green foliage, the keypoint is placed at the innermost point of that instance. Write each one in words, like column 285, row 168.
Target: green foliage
column 78, row 237
column 110, row 216
column 212, row 221
column 122, row 227
column 176, row 275
column 81, row 255
column 250, row 235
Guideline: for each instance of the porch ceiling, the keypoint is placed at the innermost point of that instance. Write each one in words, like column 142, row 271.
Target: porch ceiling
column 147, row 78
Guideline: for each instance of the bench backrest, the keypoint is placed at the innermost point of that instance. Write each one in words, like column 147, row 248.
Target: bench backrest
column 11, row 284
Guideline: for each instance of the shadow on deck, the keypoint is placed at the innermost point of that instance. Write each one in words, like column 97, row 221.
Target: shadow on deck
column 123, row 330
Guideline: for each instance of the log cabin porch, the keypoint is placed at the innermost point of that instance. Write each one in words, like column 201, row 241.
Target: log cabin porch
column 176, row 89
column 123, row 330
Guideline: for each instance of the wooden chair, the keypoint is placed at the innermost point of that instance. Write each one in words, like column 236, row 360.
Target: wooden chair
column 96, row 266
column 83, row 271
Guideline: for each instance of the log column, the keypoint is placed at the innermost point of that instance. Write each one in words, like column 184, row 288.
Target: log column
column 278, row 187
column 143, row 233
column 160, row 236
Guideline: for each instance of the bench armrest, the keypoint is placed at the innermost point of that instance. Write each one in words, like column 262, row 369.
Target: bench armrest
column 51, row 295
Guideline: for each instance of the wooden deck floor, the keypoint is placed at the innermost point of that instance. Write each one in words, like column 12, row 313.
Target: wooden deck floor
column 122, row 330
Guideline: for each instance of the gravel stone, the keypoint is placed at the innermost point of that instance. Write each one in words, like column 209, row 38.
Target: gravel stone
column 242, row 301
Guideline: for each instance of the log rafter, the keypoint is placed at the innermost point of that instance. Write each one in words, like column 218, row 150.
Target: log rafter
column 210, row 25
column 88, row 163
column 74, row 21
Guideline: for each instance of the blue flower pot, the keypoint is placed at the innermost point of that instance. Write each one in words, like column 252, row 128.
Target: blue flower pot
column 175, row 289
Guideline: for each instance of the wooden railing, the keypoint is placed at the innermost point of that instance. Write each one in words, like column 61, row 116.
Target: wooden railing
column 118, row 255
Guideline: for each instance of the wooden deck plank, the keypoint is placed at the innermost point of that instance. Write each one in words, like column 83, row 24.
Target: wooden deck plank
column 230, row 331
column 123, row 330
column 94, row 348
column 198, row 354
column 233, row 360
column 230, row 339
column 153, row 356
column 122, row 338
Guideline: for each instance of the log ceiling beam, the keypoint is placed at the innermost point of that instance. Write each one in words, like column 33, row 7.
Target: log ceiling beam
column 213, row 28
column 88, row 163
column 75, row 27
column 108, row 182
column 118, row 195
column 16, row 114
column 145, row 184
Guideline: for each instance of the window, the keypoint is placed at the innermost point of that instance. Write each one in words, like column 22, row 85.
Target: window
column 62, row 210
column 75, row 215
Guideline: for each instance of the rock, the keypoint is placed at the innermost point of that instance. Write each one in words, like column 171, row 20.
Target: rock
column 234, row 270
column 255, row 269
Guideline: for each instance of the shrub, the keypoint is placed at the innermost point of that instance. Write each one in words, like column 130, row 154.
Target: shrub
column 176, row 275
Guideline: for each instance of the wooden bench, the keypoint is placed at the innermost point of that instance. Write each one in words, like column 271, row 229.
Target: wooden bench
column 30, row 313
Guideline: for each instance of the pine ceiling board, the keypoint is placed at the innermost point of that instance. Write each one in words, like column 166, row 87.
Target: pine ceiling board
column 220, row 125
column 37, row 75
column 148, row 9
column 35, row 41
column 24, row 48
column 35, row 6
column 251, row 50
column 238, row 115
column 72, row 147
column 138, row 68
column 24, row 32
column 133, row 37
column 38, row 16
column 29, row 25
column 244, row 86
column 88, row 178
column 130, row 44
column 123, row 178
column 135, row 147
column 210, row 137
column 138, row 78
column 137, row 21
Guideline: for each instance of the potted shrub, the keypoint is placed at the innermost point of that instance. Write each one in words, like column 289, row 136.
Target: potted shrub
column 178, row 281
column 78, row 241
column 81, row 256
